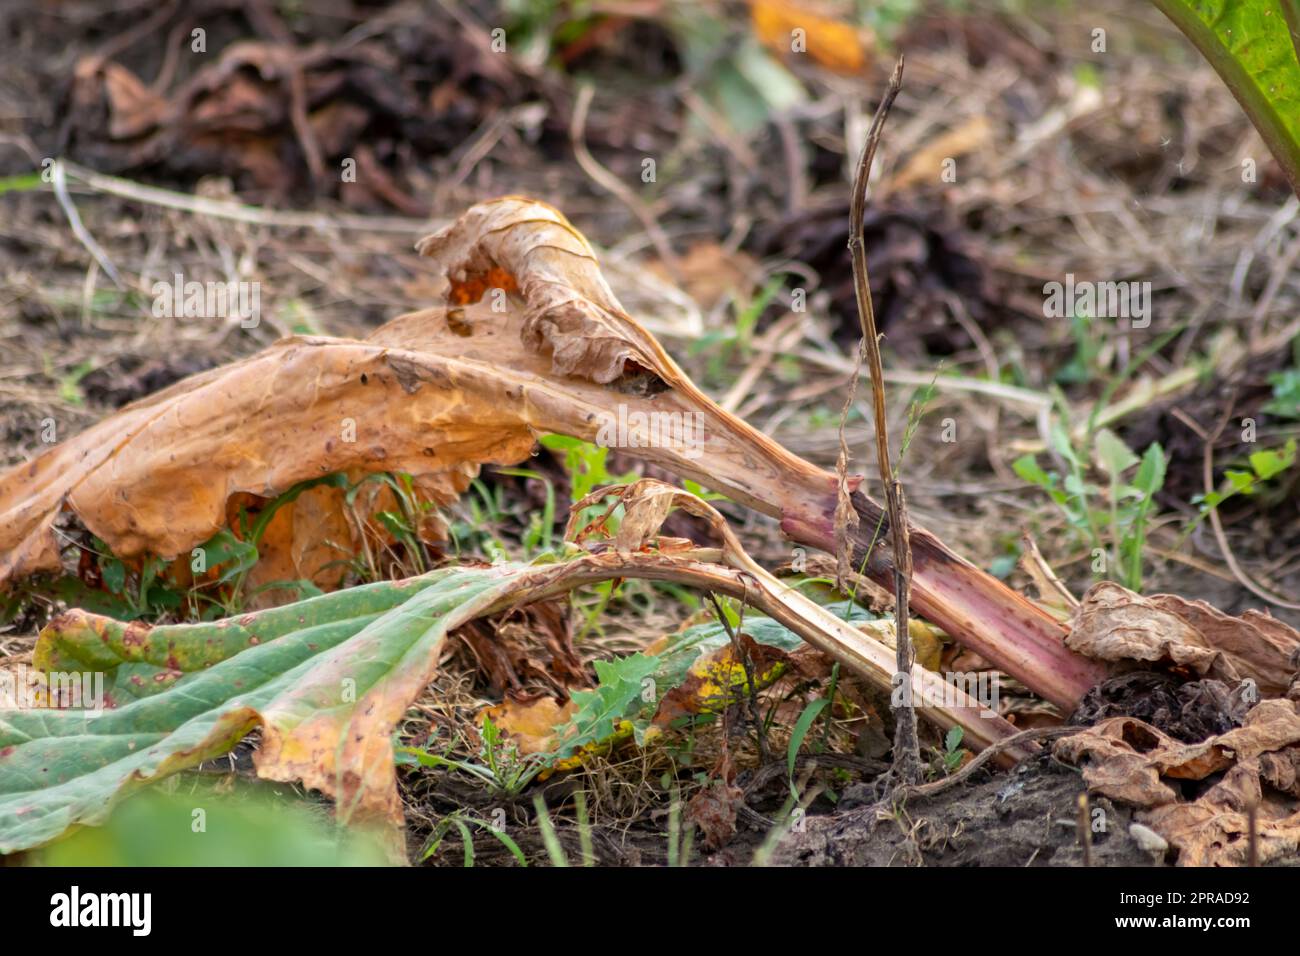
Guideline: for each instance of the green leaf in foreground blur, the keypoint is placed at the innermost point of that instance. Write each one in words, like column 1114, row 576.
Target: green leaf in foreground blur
column 201, row 827
column 176, row 695
column 1249, row 44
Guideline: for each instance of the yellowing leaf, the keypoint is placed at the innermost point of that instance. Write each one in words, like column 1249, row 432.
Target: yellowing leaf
column 791, row 28
column 531, row 724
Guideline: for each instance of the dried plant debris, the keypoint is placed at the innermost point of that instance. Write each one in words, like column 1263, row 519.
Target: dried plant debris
column 1199, row 796
column 714, row 809
column 531, row 341
column 1114, row 624
column 1201, row 759
column 699, row 670
column 283, row 118
column 158, row 477
column 1190, row 711
column 920, row 258
column 527, row 651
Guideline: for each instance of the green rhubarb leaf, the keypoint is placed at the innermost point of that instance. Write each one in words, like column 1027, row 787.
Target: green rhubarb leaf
column 326, row 679
column 1249, row 44
column 173, row 696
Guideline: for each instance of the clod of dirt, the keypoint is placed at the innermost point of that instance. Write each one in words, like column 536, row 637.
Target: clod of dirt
column 1025, row 818
column 1191, row 712
column 918, row 259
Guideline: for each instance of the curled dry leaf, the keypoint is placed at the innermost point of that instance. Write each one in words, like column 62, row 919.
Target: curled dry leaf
column 570, row 312
column 1271, row 725
column 1128, row 760
column 156, row 477
column 714, row 809
column 439, row 392
column 1214, row 829
column 646, row 504
column 1114, row 624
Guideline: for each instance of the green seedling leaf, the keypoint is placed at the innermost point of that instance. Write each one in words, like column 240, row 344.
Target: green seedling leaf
column 113, row 573
column 952, row 749
column 1270, row 462
column 952, row 740
column 233, row 556
column 1240, row 481
column 1028, row 469
column 1113, row 456
column 797, row 735
column 1062, row 444
column 1286, row 394
column 1150, row 476
column 1149, row 479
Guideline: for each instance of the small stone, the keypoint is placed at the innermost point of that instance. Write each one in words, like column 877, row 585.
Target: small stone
column 1147, row 838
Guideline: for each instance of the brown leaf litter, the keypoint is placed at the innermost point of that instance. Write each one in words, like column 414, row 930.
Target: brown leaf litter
column 1198, row 792
column 1254, row 765
column 281, row 117
column 1114, row 624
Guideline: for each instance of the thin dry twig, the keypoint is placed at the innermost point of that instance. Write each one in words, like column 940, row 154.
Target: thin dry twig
column 243, row 212
column 79, row 229
column 1016, row 742
column 742, row 655
column 1033, row 734
column 610, row 182
column 907, row 750
column 846, row 517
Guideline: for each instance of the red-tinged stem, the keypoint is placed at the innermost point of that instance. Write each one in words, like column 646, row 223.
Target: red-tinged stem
column 977, row 609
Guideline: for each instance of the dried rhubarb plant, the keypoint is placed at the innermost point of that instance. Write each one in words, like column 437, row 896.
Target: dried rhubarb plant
column 530, row 341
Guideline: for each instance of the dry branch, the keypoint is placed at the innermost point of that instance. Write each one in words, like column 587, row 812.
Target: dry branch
column 907, row 755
